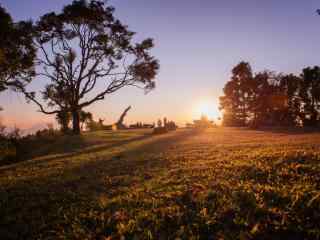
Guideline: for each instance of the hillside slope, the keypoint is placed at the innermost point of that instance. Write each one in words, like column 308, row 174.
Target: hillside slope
column 221, row 183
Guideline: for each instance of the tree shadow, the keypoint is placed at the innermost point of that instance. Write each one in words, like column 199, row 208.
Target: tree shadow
column 66, row 147
column 32, row 207
column 288, row 130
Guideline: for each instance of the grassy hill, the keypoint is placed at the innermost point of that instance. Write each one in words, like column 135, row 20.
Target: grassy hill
column 222, row 183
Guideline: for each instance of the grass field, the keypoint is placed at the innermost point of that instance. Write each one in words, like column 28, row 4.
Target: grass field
column 220, row 183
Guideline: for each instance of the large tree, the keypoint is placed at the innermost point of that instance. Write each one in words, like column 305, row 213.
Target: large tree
column 17, row 52
column 310, row 95
column 260, row 104
column 86, row 53
column 237, row 95
column 274, row 101
column 264, row 98
column 64, row 118
column 289, row 87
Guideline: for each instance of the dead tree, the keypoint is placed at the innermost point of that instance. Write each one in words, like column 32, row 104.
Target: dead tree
column 120, row 124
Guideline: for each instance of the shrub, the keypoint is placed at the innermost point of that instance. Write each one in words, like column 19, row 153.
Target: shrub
column 160, row 130
column 8, row 150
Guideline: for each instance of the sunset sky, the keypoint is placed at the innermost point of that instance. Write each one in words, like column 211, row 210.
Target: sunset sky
column 197, row 44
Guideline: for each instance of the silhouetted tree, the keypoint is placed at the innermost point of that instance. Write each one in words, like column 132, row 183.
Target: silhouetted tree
column 289, row 86
column 269, row 99
column 87, row 53
column 17, row 52
column 63, row 119
column 272, row 94
column 259, row 103
column 171, row 126
column 85, row 118
column 119, row 123
column 309, row 93
column 237, row 96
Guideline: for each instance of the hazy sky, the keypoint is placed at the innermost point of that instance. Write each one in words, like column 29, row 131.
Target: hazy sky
column 197, row 43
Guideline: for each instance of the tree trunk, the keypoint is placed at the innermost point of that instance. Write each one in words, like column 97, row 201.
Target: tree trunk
column 75, row 122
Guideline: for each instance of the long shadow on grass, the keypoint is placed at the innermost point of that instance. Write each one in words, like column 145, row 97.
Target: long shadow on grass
column 71, row 152
column 288, row 130
column 35, row 207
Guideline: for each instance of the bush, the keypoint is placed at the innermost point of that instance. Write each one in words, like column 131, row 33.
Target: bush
column 94, row 126
column 15, row 148
column 160, row 130
column 171, row 126
column 8, row 150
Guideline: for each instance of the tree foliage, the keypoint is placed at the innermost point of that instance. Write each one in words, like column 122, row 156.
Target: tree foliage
column 86, row 53
column 64, row 119
column 269, row 99
column 310, row 95
column 17, row 52
column 238, row 95
column 85, row 118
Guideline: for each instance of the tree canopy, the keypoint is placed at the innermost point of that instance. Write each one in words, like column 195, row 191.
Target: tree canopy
column 269, row 99
column 238, row 93
column 17, row 52
column 86, row 53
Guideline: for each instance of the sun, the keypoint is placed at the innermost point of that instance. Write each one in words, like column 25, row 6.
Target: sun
column 209, row 109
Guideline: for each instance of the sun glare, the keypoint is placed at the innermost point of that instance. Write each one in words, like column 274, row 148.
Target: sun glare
column 208, row 109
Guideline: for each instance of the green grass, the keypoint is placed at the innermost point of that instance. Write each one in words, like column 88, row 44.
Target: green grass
column 50, row 145
column 221, row 183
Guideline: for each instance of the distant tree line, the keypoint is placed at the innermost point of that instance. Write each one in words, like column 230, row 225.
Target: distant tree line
column 271, row 99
